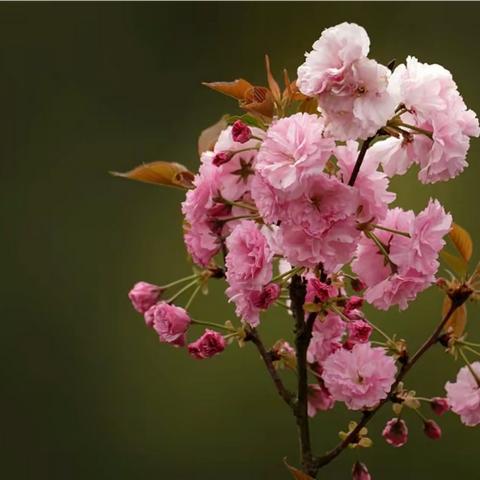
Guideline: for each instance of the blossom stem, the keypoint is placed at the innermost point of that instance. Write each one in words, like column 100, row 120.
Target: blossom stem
column 380, row 331
column 181, row 280
column 239, row 204
column 240, row 217
column 470, row 349
column 291, row 272
column 192, row 297
column 182, row 290
column 361, row 156
column 214, row 325
column 391, row 230
column 382, row 249
column 234, row 152
column 428, row 133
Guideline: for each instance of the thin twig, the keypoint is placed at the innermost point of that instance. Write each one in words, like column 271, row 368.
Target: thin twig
column 356, row 168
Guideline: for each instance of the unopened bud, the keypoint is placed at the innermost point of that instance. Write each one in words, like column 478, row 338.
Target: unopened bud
column 241, row 133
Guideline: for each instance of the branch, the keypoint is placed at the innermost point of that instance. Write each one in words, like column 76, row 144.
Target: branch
column 286, row 395
column 356, row 168
column 459, row 297
column 303, row 334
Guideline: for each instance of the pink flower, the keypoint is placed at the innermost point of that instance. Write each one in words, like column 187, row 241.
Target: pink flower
column 209, row 344
column 269, row 201
column 294, row 147
column 359, row 331
column 360, row 377
column 319, row 399
column 353, row 303
column 170, row 322
column 249, row 268
column 432, row 430
column 332, row 55
column 435, row 105
column 240, row 132
column 439, row 405
column 143, row 295
column 371, row 184
column 319, row 226
column 318, row 290
column 326, row 335
column 414, row 258
column 464, row 395
column 395, row 432
column 266, row 297
column 360, row 472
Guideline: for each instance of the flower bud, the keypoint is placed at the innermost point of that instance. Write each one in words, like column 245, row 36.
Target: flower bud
column 221, row 158
column 319, row 398
column 266, row 297
column 359, row 331
column 143, row 295
column 395, row 432
column 241, row 133
column 432, row 430
column 354, row 303
column 170, row 322
column 318, row 290
column 209, row 344
column 357, row 284
column 360, row 472
column 439, row 405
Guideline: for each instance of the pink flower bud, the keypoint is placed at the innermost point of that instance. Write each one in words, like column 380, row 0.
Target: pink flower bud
column 432, row 430
column 359, row 331
column 170, row 322
column 319, row 290
column 360, row 472
column 319, row 399
column 439, row 405
column 266, row 297
column 354, row 303
column 209, row 344
column 143, row 295
column 357, row 284
column 395, row 432
column 241, row 133
column 221, row 158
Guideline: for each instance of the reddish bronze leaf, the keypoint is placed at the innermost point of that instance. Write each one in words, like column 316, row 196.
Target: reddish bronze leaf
column 458, row 321
column 272, row 83
column 209, row 136
column 258, row 100
column 296, row 473
column 160, row 173
column 462, row 241
column 236, row 89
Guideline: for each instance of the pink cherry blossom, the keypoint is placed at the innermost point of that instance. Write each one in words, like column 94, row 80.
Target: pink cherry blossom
column 249, row 268
column 319, row 399
column 359, row 331
column 294, row 148
column 360, row 377
column 326, row 335
column 432, row 430
column 371, row 184
column 170, row 322
column 396, row 432
column 209, row 344
column 332, row 55
column 266, row 297
column 318, row 290
column 464, row 395
column 143, row 295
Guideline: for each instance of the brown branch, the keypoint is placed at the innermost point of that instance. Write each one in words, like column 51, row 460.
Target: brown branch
column 303, row 335
column 361, row 156
column 287, row 396
column 459, row 297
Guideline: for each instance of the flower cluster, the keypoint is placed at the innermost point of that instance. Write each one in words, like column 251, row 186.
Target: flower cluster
column 292, row 206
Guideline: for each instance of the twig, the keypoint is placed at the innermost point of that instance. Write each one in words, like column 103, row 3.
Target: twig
column 356, row 168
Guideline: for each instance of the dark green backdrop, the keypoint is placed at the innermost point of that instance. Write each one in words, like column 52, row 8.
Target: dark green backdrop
column 87, row 391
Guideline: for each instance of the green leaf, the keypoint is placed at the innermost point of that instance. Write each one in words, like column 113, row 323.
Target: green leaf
column 457, row 264
column 247, row 119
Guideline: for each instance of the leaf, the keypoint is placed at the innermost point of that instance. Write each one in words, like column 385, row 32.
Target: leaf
column 296, row 473
column 272, row 83
column 160, row 173
column 309, row 105
column 258, row 100
column 208, row 138
column 458, row 321
column 462, row 241
column 457, row 264
column 236, row 89
column 249, row 119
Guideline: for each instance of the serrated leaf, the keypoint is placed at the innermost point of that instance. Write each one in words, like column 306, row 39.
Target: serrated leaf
column 272, row 83
column 458, row 321
column 462, row 241
column 309, row 105
column 457, row 264
column 258, row 100
column 296, row 473
column 312, row 307
column 170, row 174
column 236, row 89
column 247, row 119
column 208, row 138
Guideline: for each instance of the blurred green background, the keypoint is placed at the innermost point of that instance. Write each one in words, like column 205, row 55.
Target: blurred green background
column 87, row 391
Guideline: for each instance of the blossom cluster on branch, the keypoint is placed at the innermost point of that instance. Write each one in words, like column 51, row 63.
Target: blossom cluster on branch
column 292, row 207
